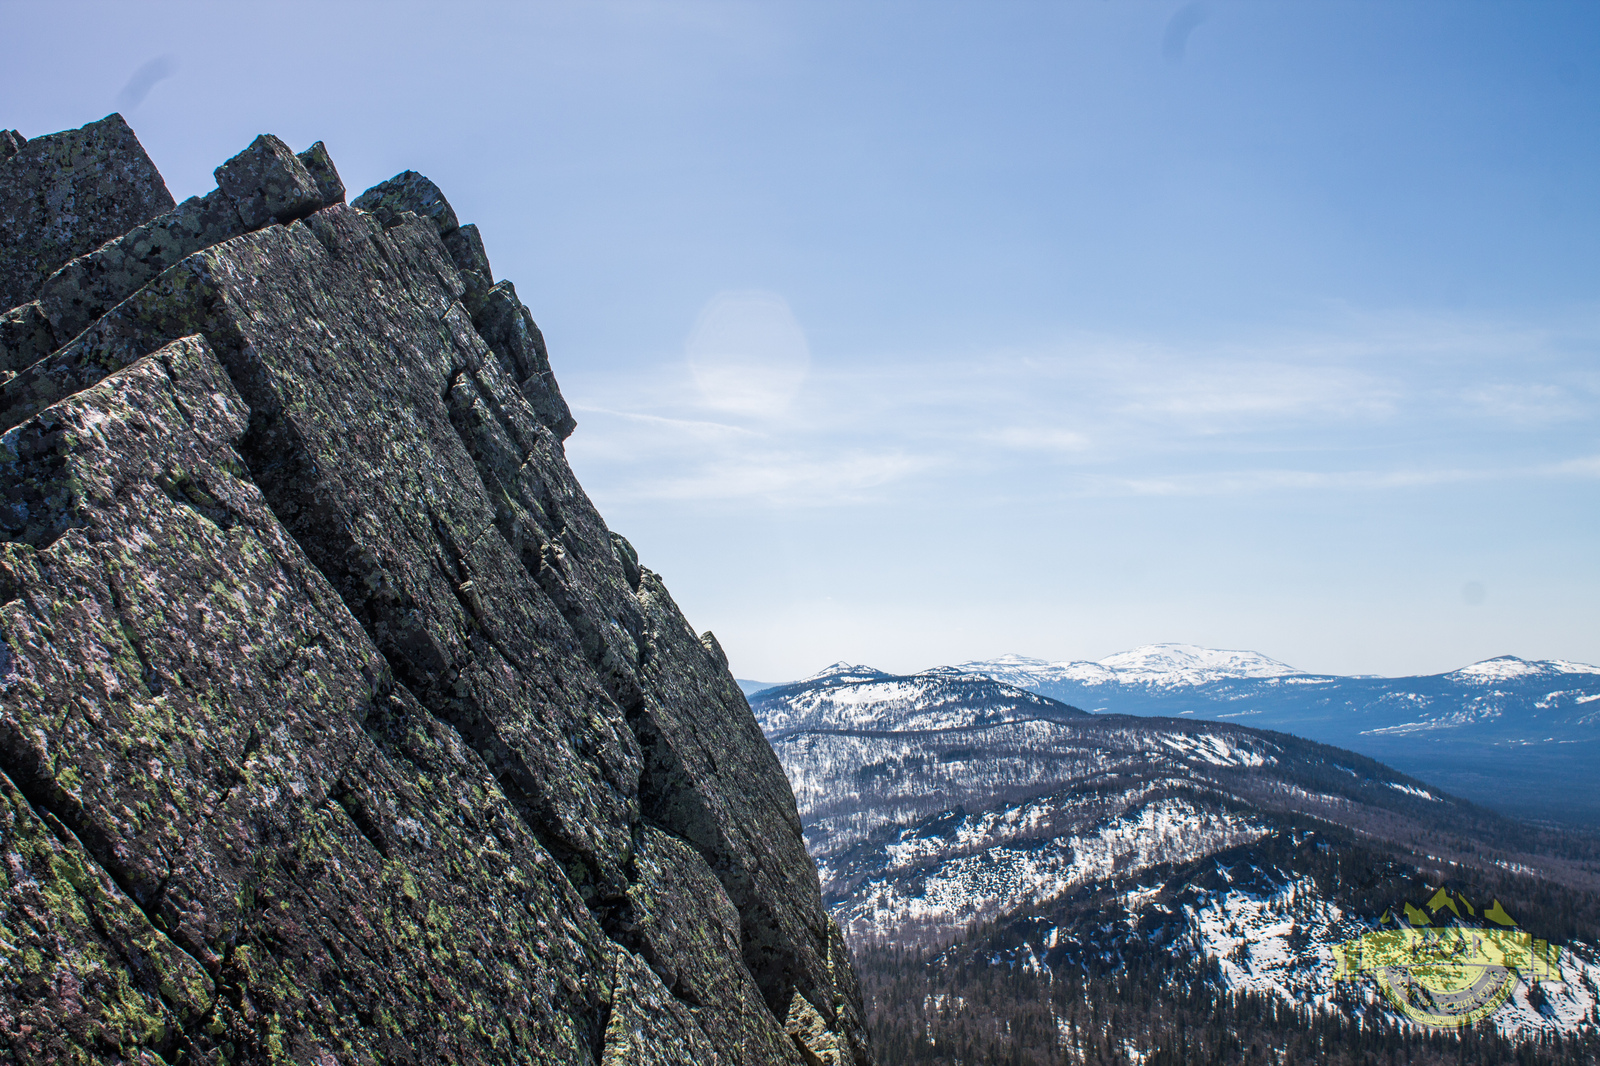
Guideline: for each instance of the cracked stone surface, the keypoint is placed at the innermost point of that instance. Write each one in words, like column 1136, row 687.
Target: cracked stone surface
column 65, row 194
column 335, row 725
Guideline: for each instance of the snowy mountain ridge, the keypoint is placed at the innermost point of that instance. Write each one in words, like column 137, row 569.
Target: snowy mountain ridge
column 944, row 802
column 843, row 672
column 1150, row 664
column 1177, row 665
column 1521, row 735
column 847, row 697
column 1504, row 667
column 1173, row 666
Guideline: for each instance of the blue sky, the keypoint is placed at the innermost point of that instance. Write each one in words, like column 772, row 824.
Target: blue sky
column 914, row 333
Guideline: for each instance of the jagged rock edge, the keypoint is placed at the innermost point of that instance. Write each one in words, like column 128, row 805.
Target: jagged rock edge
column 575, row 619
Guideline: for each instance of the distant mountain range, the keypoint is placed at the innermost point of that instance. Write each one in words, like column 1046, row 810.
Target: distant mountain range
column 949, row 804
column 1517, row 735
column 1162, row 666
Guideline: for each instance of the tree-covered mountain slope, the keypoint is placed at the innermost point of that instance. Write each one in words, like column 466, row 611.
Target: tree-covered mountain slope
column 1169, row 851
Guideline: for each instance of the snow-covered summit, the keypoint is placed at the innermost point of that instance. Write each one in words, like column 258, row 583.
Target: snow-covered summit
column 1152, row 664
column 1024, row 670
column 843, row 671
column 857, row 697
column 1508, row 667
column 1189, row 664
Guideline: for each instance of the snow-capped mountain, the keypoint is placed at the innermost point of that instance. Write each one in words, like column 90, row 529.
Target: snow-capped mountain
column 1521, row 735
column 861, row 698
column 1156, row 665
column 844, row 673
column 1509, row 667
column 942, row 803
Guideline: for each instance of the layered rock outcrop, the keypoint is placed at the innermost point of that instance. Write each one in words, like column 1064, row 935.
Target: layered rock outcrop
column 337, row 727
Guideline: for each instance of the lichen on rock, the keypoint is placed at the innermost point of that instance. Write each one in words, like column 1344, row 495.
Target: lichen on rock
column 335, row 725
column 64, row 194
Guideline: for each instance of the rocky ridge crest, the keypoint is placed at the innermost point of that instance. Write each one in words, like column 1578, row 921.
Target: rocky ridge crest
column 335, row 725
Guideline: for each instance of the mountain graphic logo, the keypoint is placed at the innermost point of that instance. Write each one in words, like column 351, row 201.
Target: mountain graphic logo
column 1444, row 964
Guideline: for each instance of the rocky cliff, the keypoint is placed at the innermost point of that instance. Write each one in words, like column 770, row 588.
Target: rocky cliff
column 337, row 727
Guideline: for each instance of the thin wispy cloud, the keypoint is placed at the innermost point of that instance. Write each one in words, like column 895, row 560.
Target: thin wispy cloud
column 1038, row 438
column 656, row 426
column 1245, row 482
column 791, row 480
column 1377, row 406
column 1229, row 483
column 1584, row 466
column 1254, row 388
column 1531, row 405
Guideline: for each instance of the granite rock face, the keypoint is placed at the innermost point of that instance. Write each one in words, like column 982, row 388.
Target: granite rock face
column 265, row 183
column 67, row 193
column 335, row 725
column 499, row 317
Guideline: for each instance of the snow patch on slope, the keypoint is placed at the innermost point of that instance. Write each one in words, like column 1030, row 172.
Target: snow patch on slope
column 1413, row 790
column 1213, row 749
column 1282, row 944
column 1020, row 873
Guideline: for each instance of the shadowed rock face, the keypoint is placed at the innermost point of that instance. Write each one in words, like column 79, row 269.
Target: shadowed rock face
column 337, row 726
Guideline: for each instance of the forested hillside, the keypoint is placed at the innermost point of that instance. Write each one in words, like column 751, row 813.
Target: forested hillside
column 1054, row 887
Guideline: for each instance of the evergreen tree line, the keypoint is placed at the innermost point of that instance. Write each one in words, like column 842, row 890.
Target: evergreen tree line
column 990, row 997
column 922, row 1010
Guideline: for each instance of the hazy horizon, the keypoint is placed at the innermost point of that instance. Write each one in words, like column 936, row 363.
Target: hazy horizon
column 917, row 333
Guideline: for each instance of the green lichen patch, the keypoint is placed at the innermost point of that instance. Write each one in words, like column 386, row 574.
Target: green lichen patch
column 349, row 731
